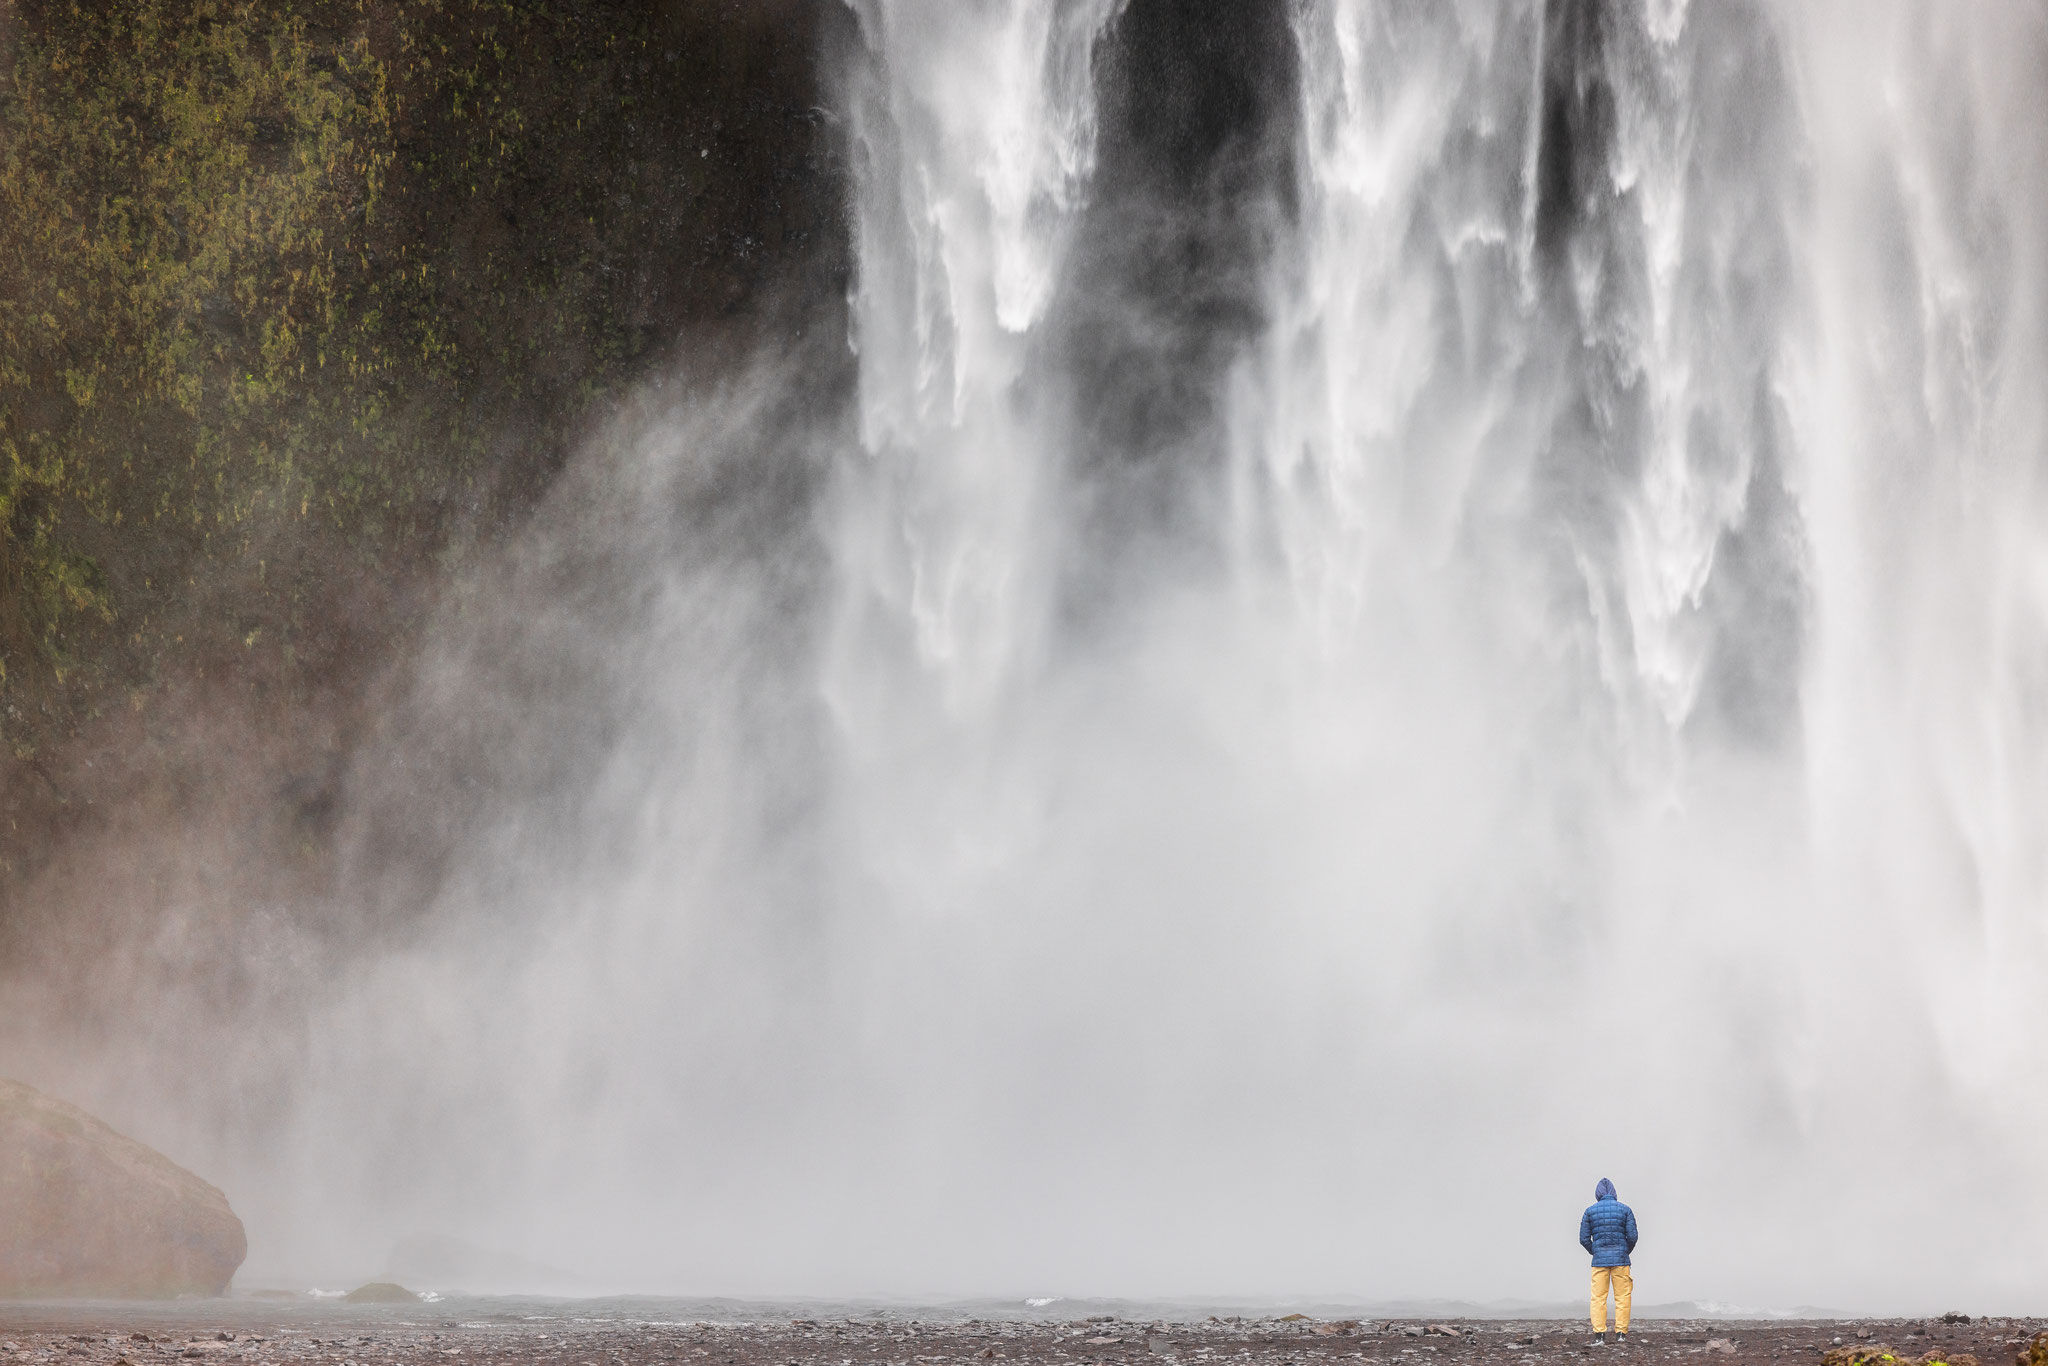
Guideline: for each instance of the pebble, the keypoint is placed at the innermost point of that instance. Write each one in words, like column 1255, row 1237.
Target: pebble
column 878, row 1339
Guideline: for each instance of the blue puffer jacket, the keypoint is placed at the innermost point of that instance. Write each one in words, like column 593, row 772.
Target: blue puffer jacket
column 1608, row 1228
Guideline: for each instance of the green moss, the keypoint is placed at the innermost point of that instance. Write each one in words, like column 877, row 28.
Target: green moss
column 302, row 293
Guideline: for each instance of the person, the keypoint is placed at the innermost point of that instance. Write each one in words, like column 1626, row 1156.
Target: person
column 1608, row 1231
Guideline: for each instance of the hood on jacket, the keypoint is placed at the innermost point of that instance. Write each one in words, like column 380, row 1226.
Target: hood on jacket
column 1604, row 1191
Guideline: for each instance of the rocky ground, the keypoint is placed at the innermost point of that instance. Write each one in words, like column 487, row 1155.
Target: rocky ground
column 242, row 1334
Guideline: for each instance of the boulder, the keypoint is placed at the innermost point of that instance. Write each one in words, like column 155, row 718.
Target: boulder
column 92, row 1213
column 1864, row 1354
column 380, row 1292
column 450, row 1264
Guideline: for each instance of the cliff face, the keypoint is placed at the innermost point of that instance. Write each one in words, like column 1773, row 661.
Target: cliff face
column 303, row 305
column 90, row 1212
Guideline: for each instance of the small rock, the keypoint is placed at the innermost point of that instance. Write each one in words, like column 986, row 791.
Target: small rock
column 1726, row 1347
column 1953, row 1318
column 1860, row 1354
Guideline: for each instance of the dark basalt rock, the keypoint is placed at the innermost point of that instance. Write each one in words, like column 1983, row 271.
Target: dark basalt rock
column 93, row 1213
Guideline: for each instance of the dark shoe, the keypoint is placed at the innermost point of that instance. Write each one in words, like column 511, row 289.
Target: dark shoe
column 1599, row 1340
column 1621, row 1339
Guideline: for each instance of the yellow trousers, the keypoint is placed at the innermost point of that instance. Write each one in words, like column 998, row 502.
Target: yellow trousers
column 1624, row 1292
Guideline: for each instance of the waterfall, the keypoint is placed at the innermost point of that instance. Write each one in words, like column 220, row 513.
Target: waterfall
column 1383, row 609
column 1502, row 538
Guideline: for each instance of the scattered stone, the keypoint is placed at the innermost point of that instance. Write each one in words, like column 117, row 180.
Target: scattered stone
column 1726, row 1347
column 93, row 1213
column 1952, row 1318
column 374, row 1335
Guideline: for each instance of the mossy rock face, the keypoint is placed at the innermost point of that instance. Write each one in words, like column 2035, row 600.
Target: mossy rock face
column 2034, row 1353
column 301, row 302
column 93, row 1213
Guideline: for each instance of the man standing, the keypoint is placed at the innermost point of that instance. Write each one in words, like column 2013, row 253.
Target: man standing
column 1608, row 1230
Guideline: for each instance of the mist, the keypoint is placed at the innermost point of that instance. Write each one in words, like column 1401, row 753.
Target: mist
column 1367, row 613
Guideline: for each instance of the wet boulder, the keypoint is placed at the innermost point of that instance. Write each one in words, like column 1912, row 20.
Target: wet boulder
column 93, row 1213
column 1877, row 1354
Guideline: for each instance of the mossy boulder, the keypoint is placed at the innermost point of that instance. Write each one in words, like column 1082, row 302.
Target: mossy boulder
column 1878, row 1354
column 93, row 1213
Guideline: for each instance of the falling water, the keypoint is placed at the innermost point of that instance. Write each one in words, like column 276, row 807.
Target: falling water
column 1467, row 583
column 1407, row 605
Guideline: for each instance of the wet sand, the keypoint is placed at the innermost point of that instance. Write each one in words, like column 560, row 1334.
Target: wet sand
column 247, row 1333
